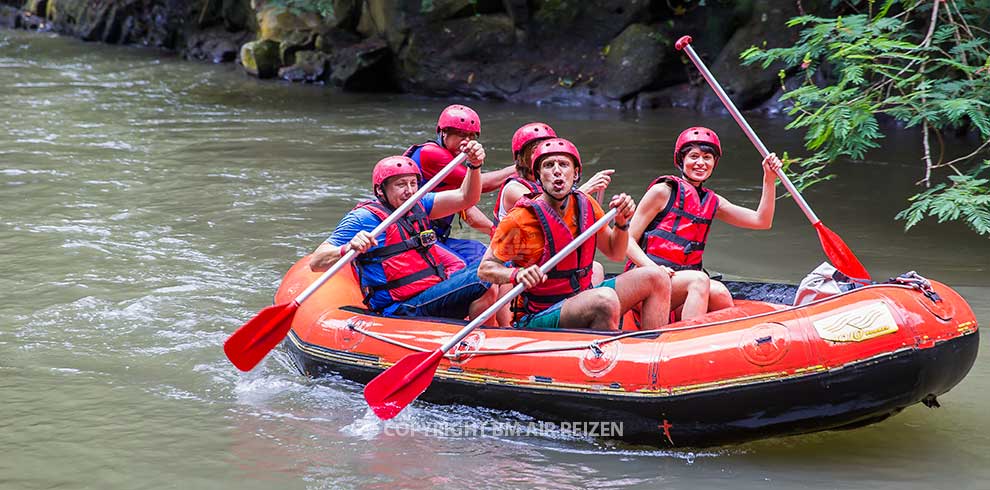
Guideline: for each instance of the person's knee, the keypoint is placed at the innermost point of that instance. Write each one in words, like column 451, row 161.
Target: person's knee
column 657, row 279
column 604, row 305
column 698, row 282
column 719, row 296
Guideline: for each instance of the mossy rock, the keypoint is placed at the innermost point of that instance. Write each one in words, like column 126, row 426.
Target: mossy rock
column 634, row 59
column 278, row 23
column 309, row 66
column 260, row 58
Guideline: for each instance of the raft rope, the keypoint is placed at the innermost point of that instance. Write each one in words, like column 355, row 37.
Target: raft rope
column 911, row 279
column 594, row 346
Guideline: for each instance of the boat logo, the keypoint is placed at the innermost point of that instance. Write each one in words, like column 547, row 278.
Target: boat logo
column 471, row 343
column 864, row 323
column 346, row 333
column 765, row 344
column 599, row 359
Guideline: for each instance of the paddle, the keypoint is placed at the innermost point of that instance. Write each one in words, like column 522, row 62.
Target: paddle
column 256, row 338
column 395, row 388
column 835, row 249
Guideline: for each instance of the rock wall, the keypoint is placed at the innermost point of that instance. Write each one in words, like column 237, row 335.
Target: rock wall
column 615, row 53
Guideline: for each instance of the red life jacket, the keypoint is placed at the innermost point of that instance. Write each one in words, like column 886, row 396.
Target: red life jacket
column 444, row 224
column 532, row 187
column 410, row 266
column 676, row 237
column 573, row 274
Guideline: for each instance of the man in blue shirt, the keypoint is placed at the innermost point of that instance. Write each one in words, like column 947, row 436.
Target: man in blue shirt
column 403, row 272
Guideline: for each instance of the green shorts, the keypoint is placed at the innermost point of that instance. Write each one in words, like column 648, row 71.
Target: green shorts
column 550, row 317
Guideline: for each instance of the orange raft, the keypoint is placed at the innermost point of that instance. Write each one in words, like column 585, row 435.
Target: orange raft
column 759, row 369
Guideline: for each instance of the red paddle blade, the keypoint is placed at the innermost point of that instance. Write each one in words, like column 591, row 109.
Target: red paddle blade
column 256, row 338
column 399, row 385
column 839, row 254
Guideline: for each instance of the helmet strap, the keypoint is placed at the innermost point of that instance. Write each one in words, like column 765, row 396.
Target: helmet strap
column 558, row 204
column 382, row 197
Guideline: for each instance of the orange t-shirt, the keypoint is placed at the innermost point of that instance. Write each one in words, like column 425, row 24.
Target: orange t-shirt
column 519, row 236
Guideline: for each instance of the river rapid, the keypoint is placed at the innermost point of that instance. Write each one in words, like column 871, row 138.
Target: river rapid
column 149, row 206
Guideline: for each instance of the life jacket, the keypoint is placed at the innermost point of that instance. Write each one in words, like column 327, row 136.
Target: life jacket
column 676, row 237
column 440, row 225
column 532, row 187
column 573, row 274
column 408, row 259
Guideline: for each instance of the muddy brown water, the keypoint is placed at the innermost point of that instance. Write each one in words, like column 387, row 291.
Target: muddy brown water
column 149, row 206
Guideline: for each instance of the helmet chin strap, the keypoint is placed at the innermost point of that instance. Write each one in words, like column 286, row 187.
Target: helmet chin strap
column 383, row 198
column 558, row 203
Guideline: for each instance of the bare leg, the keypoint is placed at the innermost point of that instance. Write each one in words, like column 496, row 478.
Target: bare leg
column 597, row 273
column 597, row 309
column 481, row 304
column 504, row 315
column 690, row 289
column 649, row 286
column 719, row 296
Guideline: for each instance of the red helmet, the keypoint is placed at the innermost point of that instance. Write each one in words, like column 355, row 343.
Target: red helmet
column 555, row 146
column 459, row 117
column 696, row 134
column 392, row 166
column 531, row 132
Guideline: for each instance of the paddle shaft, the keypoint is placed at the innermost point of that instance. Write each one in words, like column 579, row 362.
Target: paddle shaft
column 392, row 218
column 686, row 47
column 518, row 289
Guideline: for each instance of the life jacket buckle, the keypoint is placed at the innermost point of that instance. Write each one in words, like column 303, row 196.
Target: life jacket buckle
column 427, row 238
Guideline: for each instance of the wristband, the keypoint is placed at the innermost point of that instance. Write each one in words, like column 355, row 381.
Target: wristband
column 343, row 249
column 472, row 167
column 622, row 227
column 512, row 277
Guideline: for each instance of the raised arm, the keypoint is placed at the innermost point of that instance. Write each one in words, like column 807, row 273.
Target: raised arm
column 613, row 241
column 468, row 194
column 762, row 217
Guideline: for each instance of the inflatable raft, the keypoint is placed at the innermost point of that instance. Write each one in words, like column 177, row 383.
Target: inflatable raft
column 760, row 369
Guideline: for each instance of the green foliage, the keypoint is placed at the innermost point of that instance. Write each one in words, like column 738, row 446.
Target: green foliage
column 965, row 197
column 922, row 67
column 322, row 7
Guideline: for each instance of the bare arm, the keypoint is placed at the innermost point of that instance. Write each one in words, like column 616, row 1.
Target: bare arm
column 478, row 220
column 614, row 241
column 762, row 217
column 446, row 203
column 513, row 192
column 494, row 271
column 598, row 182
column 653, row 202
column 491, row 181
column 328, row 254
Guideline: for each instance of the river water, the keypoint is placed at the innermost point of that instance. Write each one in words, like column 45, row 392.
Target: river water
column 149, row 206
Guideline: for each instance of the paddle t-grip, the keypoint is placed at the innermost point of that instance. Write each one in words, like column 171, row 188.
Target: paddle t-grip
column 683, row 41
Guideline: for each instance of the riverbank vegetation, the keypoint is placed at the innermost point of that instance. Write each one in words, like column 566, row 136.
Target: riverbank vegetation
column 921, row 64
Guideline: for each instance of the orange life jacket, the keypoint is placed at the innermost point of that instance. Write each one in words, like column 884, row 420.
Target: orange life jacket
column 573, row 274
